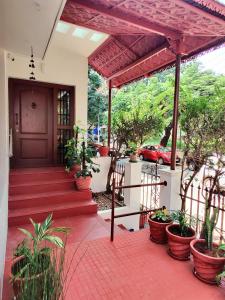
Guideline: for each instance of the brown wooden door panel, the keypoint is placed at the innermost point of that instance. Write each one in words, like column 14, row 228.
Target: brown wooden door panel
column 32, row 125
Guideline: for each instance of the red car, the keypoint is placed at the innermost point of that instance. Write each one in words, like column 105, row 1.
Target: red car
column 156, row 153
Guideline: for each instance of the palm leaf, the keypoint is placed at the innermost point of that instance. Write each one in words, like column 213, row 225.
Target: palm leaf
column 26, row 232
column 55, row 240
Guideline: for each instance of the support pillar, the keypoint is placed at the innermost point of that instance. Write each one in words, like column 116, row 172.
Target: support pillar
column 175, row 111
column 132, row 197
column 170, row 194
column 109, row 112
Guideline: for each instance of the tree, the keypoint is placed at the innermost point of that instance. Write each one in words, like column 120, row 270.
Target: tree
column 203, row 125
column 97, row 98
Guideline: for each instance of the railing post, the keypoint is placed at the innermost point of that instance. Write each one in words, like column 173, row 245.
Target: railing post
column 170, row 194
column 112, row 210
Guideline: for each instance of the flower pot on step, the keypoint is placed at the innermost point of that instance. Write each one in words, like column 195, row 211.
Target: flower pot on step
column 103, row 151
column 179, row 246
column 206, row 267
column 158, row 231
column 83, row 183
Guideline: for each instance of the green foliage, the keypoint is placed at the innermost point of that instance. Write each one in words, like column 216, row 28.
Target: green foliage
column 161, row 215
column 40, row 266
column 32, row 249
column 97, row 98
column 209, row 226
column 184, row 222
column 87, row 164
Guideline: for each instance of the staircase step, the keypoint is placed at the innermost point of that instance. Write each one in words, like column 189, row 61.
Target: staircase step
column 38, row 214
column 29, row 176
column 41, row 186
column 47, row 198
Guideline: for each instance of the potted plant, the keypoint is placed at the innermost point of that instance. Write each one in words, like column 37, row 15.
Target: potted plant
column 72, row 156
column 32, row 268
column 83, row 177
column 157, row 223
column 133, row 152
column 180, row 235
column 103, row 150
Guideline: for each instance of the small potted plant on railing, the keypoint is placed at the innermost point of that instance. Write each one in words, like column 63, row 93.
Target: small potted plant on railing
column 83, row 177
column 33, row 272
column 157, row 223
column 103, row 150
column 133, row 152
column 180, row 235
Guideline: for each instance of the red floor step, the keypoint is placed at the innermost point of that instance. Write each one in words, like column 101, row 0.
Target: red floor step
column 41, row 186
column 21, row 216
column 20, row 177
column 38, row 192
column 47, row 198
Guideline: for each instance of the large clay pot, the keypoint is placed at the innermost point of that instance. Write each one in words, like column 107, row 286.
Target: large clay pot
column 206, row 267
column 158, row 231
column 83, row 183
column 179, row 246
column 18, row 283
column 103, row 151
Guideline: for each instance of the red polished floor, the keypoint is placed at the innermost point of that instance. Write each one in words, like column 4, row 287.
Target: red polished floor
column 132, row 267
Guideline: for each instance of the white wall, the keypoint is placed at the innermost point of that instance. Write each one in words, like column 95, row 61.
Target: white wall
column 62, row 67
column 99, row 180
column 4, row 163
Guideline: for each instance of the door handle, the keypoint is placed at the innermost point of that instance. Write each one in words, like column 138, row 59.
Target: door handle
column 10, row 143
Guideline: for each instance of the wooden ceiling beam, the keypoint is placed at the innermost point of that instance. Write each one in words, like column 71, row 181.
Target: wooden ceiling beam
column 141, row 60
column 116, row 13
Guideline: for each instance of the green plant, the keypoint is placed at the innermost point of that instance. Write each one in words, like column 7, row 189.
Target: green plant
column 184, row 222
column 209, row 225
column 161, row 215
column 34, row 251
column 37, row 272
column 87, row 164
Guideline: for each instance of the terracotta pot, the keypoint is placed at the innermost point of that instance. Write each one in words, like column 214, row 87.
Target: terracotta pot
column 158, row 231
column 133, row 157
column 19, row 282
column 83, row 183
column 103, row 151
column 142, row 220
column 179, row 246
column 206, row 267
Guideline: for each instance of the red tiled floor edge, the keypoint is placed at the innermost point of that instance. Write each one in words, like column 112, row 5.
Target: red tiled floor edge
column 132, row 267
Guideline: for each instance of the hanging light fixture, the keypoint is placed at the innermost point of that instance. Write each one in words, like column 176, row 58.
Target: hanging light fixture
column 32, row 65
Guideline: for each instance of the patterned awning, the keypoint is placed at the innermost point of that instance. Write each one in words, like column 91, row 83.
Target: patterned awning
column 145, row 35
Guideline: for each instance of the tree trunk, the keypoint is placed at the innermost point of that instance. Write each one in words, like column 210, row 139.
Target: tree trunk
column 167, row 134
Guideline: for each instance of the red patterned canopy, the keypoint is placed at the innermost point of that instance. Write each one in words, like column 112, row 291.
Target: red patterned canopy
column 145, row 35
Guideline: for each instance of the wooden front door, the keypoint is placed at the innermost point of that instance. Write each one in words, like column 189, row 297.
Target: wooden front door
column 32, row 125
column 41, row 116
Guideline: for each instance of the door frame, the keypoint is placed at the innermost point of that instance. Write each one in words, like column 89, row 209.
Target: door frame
column 55, row 88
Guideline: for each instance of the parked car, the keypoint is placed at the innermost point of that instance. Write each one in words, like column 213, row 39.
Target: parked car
column 156, row 153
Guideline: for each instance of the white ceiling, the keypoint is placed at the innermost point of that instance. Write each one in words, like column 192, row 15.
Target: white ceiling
column 81, row 45
column 26, row 23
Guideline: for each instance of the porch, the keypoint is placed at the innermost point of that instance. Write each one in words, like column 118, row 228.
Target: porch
column 132, row 267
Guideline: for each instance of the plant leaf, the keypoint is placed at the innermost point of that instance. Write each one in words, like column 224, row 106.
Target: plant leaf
column 55, row 240
column 26, row 232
